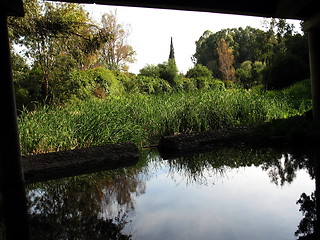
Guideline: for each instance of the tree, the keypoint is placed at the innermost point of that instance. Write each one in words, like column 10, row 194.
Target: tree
column 115, row 53
column 226, row 60
column 248, row 44
column 171, row 55
column 55, row 35
column 206, row 51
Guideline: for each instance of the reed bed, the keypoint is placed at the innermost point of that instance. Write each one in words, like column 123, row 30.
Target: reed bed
column 144, row 118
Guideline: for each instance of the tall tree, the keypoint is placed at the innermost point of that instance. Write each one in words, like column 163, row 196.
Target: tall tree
column 171, row 55
column 226, row 60
column 116, row 52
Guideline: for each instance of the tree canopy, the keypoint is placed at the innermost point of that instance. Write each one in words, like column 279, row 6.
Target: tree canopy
column 264, row 48
column 58, row 38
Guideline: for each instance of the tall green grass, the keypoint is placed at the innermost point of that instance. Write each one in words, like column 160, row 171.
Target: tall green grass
column 144, row 118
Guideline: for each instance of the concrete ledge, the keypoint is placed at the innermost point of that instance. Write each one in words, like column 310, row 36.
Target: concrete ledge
column 48, row 166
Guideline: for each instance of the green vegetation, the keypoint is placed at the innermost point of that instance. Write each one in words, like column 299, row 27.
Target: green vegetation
column 66, row 55
column 73, row 88
column 144, row 118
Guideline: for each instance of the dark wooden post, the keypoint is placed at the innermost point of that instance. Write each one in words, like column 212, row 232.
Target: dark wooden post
column 314, row 55
column 11, row 175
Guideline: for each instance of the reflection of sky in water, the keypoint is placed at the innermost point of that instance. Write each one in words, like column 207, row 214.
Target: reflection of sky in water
column 199, row 197
column 240, row 203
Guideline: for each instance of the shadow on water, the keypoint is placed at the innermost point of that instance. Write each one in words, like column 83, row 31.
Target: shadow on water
column 103, row 205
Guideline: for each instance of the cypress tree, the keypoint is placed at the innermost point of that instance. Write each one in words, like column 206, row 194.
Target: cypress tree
column 171, row 55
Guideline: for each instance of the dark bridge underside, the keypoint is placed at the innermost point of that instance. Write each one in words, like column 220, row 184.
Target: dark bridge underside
column 293, row 9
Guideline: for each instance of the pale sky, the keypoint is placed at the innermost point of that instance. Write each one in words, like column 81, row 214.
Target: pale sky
column 151, row 30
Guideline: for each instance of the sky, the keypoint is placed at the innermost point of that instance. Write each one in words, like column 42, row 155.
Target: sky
column 151, row 31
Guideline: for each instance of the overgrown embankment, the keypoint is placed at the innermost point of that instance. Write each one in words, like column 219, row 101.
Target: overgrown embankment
column 142, row 119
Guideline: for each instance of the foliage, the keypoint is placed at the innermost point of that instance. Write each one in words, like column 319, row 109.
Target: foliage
column 150, row 71
column 54, row 35
column 250, row 74
column 308, row 208
column 171, row 54
column 226, row 60
column 284, row 71
column 298, row 95
column 289, row 66
column 115, row 53
column 199, row 71
column 247, row 44
column 58, row 39
column 202, row 78
column 143, row 118
column 167, row 71
column 279, row 48
column 98, row 82
column 152, row 85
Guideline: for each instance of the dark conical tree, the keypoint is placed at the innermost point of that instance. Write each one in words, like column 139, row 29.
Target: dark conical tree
column 171, row 55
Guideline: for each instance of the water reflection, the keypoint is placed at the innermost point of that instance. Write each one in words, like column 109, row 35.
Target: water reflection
column 86, row 207
column 195, row 197
column 309, row 227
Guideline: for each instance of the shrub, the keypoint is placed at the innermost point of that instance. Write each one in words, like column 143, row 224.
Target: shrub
column 167, row 71
column 201, row 75
column 99, row 82
column 129, row 81
column 199, row 71
column 188, row 84
column 152, row 85
column 150, row 71
column 244, row 72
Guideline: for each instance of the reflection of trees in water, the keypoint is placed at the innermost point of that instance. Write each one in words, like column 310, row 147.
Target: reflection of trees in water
column 120, row 194
column 308, row 209
column 98, row 206
column 280, row 166
column 308, row 227
column 88, row 207
column 283, row 170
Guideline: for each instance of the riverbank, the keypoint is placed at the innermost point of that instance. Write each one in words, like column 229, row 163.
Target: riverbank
column 298, row 131
column 48, row 166
column 292, row 133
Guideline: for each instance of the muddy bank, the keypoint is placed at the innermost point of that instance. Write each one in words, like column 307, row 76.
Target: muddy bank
column 43, row 167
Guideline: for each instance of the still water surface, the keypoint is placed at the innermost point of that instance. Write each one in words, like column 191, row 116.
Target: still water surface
column 228, row 194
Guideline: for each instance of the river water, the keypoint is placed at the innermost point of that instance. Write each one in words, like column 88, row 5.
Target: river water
column 227, row 194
